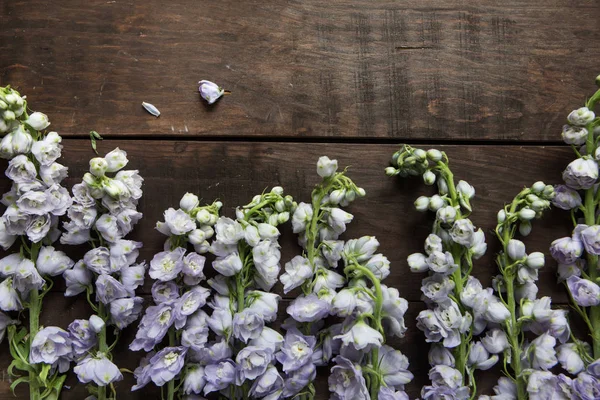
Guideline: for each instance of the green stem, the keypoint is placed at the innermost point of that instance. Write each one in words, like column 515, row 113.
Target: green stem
column 592, row 262
column 102, row 346
column 171, row 384
column 512, row 328
column 35, row 308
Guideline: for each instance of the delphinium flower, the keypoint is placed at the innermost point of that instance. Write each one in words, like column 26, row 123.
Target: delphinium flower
column 34, row 204
column 178, row 299
column 529, row 337
column 104, row 211
column 319, row 225
column 577, row 254
column 247, row 262
column 367, row 368
column 449, row 321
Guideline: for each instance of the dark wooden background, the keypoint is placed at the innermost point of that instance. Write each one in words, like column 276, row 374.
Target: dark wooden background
column 488, row 82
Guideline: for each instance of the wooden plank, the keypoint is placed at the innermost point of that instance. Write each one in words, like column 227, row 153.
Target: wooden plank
column 443, row 69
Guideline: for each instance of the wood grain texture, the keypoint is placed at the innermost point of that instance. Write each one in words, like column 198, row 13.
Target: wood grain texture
column 434, row 69
column 235, row 171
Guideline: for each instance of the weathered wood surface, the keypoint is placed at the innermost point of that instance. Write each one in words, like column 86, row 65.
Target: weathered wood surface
column 234, row 172
column 434, row 69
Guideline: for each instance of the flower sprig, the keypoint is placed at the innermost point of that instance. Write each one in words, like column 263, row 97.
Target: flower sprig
column 178, row 299
column 318, row 225
column 451, row 320
column 103, row 213
column 577, row 255
column 34, row 204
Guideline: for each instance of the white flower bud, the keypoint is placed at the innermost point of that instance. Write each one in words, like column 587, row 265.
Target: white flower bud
column 525, row 228
column 21, row 140
column 581, row 116
column 501, row 216
column 446, row 215
column 442, row 186
column 360, row 192
column 597, row 154
column 336, row 196
column 526, row 214
column 116, row 160
column 38, row 121
column 98, row 166
column 280, row 205
column 516, row 249
column 96, row 323
column 436, row 202
column 417, row 262
column 574, row 135
column 277, row 190
column 197, row 236
column 283, row 217
column 8, row 115
column 422, row 203
column 538, row 187
column 420, row 154
column 350, row 196
column 391, row 171
column 188, row 202
column 208, row 231
column 326, row 167
column 89, row 179
column 535, row 260
column 429, row 178
column 203, row 216
column 465, row 189
column 434, row 155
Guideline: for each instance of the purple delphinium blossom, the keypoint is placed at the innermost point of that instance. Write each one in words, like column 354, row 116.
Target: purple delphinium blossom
column 97, row 369
column 346, row 381
column 98, row 260
column 437, row 287
column 386, row 393
column 298, row 379
column 566, row 198
column 296, row 351
column 83, row 337
column 393, row 366
column 167, row 264
column 308, row 308
column 165, row 292
column 51, row 262
column 77, row 279
column 252, row 361
column 566, row 250
column 108, row 289
column 166, row 364
column 188, row 303
column 9, row 298
column 585, row 292
column 194, row 380
column 247, row 325
column 51, row 345
column 581, row 173
column 590, row 237
column 361, row 336
column 269, row 382
column 219, row 375
column 124, row 311
column 586, row 387
column 445, row 393
column 153, row 327
column 195, row 337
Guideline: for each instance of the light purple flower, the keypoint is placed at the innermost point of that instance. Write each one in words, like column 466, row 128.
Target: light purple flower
column 480, row 358
column 586, row 387
column 581, row 173
column 590, row 237
column 195, row 337
column 167, row 264
column 269, row 382
column 210, row 91
column 97, row 369
column 346, row 381
column 462, row 232
column 220, row 321
column 386, row 393
column 166, row 364
column 178, row 221
column 495, row 341
column 165, row 292
column 124, row 311
column 193, row 265
column 9, row 298
column 34, row 203
column 247, row 325
column 566, row 198
column 228, row 231
column 194, row 380
column 437, row 287
column 443, row 375
column 585, row 293
column 20, row 169
column 228, row 265
column 361, row 336
column 439, row 355
column 26, row 277
column 297, row 270
column 38, row 227
column 109, row 289
column 98, row 260
column 252, row 362
column 444, row 392
column 298, row 379
column 542, row 353
column 566, row 250
column 569, row 358
column 83, row 337
column 296, row 351
column 269, row 338
column 442, row 263
column 77, row 279
column 308, row 308
column 393, row 366
column 51, row 262
column 153, row 327
column 188, row 303
column 219, row 376
column 51, row 345
column 263, row 303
